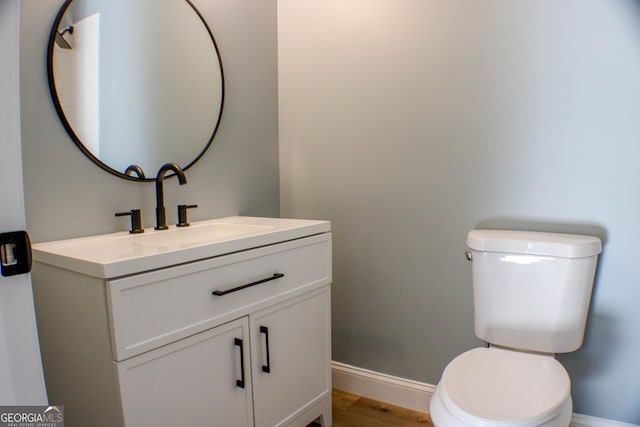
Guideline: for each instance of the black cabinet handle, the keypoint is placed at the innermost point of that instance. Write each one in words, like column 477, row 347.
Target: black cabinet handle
column 240, row 382
column 264, row 330
column 248, row 285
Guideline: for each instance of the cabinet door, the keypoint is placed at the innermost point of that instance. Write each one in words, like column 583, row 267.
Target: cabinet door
column 291, row 354
column 196, row 381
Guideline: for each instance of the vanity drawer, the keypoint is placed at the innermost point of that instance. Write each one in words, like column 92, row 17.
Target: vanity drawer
column 156, row 308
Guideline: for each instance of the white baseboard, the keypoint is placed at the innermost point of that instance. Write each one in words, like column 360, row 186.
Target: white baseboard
column 579, row 420
column 414, row 394
column 385, row 388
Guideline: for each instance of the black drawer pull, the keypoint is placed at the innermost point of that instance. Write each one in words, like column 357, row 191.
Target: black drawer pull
column 240, row 382
column 248, row 285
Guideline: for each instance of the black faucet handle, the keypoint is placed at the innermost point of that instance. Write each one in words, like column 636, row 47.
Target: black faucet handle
column 136, row 220
column 182, row 215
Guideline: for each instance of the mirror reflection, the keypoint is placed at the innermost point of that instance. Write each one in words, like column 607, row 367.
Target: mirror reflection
column 137, row 83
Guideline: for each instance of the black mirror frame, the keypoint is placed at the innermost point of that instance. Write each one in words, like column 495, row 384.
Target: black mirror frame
column 69, row 128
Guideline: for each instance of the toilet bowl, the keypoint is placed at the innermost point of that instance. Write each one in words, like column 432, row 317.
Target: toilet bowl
column 500, row 387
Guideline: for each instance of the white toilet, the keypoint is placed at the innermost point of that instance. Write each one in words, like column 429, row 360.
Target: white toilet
column 531, row 294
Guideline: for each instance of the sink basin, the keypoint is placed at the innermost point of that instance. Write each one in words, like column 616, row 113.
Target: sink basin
column 120, row 254
column 194, row 235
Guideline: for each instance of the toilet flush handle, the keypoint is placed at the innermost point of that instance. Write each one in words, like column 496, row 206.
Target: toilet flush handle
column 468, row 255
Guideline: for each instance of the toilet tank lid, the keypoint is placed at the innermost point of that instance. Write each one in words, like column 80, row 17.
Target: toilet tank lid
column 534, row 243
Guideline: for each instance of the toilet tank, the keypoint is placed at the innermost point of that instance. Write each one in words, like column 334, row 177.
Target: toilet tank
column 531, row 290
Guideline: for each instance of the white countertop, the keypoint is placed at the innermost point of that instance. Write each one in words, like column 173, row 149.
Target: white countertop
column 120, row 254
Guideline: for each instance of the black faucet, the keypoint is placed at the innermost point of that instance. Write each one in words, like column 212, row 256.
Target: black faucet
column 131, row 169
column 161, row 222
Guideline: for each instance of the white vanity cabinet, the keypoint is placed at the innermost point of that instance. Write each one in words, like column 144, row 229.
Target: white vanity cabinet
column 189, row 382
column 239, row 338
column 289, row 346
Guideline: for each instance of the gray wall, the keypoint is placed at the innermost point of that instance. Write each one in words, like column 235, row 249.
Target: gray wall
column 409, row 122
column 67, row 195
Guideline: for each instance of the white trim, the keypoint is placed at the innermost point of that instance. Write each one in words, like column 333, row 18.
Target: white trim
column 579, row 420
column 414, row 394
column 385, row 388
column 21, row 378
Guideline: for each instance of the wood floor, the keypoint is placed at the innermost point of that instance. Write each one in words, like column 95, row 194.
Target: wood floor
column 350, row 410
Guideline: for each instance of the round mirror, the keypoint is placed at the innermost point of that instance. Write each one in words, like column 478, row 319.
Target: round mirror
column 136, row 83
